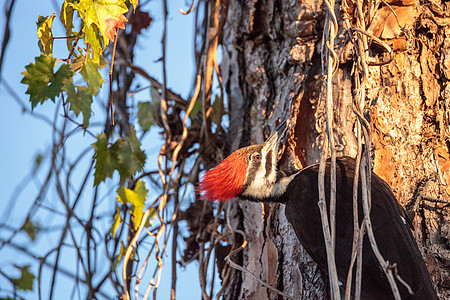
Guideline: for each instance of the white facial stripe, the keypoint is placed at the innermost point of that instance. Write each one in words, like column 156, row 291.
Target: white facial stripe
column 266, row 185
column 259, row 187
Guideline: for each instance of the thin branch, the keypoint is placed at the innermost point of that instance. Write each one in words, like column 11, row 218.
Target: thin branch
column 129, row 250
column 191, row 8
column 330, row 62
column 7, row 33
column 245, row 270
column 164, row 107
column 111, row 94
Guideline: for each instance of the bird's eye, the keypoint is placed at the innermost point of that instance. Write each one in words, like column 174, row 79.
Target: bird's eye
column 256, row 157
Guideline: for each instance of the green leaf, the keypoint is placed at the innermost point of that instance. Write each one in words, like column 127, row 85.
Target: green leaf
column 66, row 18
column 80, row 100
column 116, row 222
column 136, row 198
column 103, row 63
column 31, row 229
column 92, row 76
column 106, row 160
column 131, row 157
column 195, row 110
column 25, row 281
column 42, row 83
column 38, row 76
column 99, row 12
column 124, row 155
column 45, row 33
column 61, row 76
column 145, row 115
column 216, row 115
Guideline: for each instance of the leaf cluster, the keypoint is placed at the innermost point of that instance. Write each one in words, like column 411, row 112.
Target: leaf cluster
column 97, row 22
column 124, row 155
column 44, row 83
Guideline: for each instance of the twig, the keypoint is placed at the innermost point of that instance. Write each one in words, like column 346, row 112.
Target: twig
column 329, row 60
column 116, row 37
column 164, row 107
column 185, row 130
column 173, row 287
column 405, row 284
column 379, row 42
column 191, row 8
column 129, row 250
column 332, row 271
column 211, row 52
column 357, row 232
column 244, row 270
column 6, row 33
column 171, row 95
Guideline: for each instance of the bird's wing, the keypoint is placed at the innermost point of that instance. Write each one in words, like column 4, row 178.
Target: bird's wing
column 391, row 229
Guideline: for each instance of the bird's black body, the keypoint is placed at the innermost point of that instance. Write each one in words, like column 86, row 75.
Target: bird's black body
column 391, row 228
column 251, row 173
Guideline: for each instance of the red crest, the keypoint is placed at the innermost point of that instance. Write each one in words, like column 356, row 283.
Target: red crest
column 226, row 180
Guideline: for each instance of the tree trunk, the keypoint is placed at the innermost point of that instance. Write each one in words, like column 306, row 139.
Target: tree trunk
column 272, row 69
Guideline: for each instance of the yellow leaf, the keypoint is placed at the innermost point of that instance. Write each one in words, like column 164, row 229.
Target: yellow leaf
column 136, row 198
column 66, row 17
column 116, row 222
column 135, row 3
column 96, row 12
column 45, row 32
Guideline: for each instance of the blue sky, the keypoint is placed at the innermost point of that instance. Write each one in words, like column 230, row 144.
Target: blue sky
column 23, row 136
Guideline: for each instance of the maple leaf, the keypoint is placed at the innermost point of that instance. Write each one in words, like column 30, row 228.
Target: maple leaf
column 92, row 37
column 80, row 100
column 105, row 157
column 44, row 33
column 97, row 11
column 145, row 115
column 42, row 82
column 92, row 76
column 136, row 198
column 112, row 24
column 124, row 155
column 25, row 282
column 131, row 157
column 66, row 17
column 140, row 20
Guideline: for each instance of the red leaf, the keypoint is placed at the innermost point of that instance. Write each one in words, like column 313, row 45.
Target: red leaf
column 112, row 24
column 140, row 20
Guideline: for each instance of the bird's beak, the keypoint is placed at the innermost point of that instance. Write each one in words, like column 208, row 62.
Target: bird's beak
column 275, row 138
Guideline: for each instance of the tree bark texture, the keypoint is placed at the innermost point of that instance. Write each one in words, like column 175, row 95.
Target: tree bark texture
column 271, row 70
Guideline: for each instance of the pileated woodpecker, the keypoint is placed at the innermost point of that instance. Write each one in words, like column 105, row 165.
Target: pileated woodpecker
column 251, row 173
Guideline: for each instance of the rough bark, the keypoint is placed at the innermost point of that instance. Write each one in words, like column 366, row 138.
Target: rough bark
column 272, row 69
